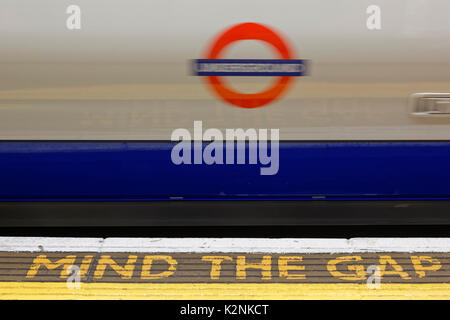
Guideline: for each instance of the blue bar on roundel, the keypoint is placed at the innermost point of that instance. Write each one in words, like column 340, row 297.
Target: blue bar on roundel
column 250, row 67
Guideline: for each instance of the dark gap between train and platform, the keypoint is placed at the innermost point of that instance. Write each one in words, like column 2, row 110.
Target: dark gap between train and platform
column 222, row 213
column 397, row 231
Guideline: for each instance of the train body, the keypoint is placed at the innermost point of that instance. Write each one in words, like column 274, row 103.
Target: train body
column 357, row 95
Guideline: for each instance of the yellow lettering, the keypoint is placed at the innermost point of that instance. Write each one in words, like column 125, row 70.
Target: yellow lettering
column 125, row 272
column 265, row 266
column 147, row 266
column 284, row 267
column 398, row 270
column 421, row 269
column 359, row 272
column 85, row 264
column 42, row 260
column 216, row 265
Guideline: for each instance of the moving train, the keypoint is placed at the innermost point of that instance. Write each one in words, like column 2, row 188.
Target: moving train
column 172, row 112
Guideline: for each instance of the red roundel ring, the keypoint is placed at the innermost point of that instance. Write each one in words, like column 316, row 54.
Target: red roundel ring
column 249, row 31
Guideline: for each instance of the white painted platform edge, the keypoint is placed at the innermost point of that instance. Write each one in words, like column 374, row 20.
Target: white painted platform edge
column 47, row 244
column 231, row 245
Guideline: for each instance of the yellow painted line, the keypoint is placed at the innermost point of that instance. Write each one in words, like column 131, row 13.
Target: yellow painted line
column 199, row 291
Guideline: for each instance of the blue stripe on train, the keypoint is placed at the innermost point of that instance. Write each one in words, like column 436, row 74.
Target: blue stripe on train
column 144, row 171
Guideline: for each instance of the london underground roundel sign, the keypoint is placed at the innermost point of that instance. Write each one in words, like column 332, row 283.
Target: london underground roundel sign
column 213, row 68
